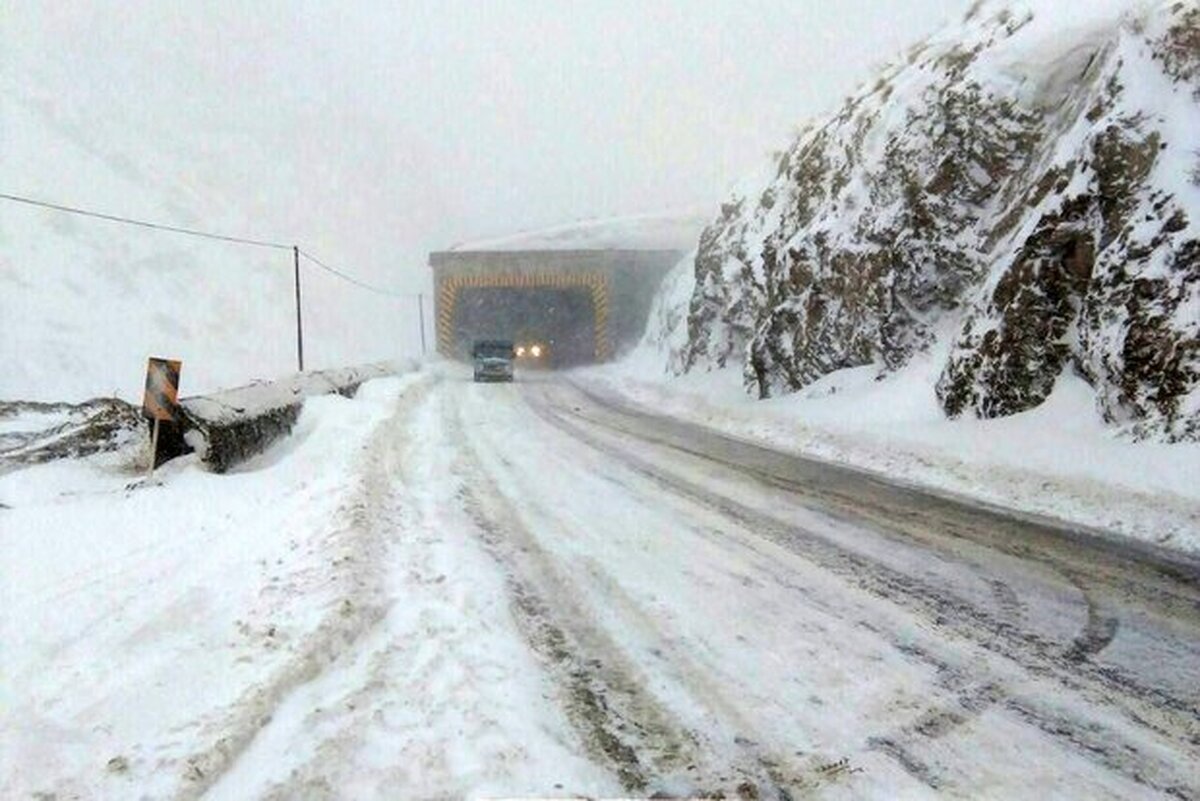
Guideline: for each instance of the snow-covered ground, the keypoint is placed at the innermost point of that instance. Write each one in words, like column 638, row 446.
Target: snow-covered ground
column 1058, row 460
column 84, row 302
column 150, row 634
column 442, row 589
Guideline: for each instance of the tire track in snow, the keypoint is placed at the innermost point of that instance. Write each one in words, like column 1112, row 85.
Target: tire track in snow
column 918, row 590
column 1167, row 582
column 968, row 702
column 604, row 692
column 906, row 528
column 1099, row 631
column 438, row 687
column 358, row 576
column 1145, row 707
column 786, row 773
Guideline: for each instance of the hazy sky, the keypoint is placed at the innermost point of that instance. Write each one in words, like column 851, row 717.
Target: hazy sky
column 378, row 131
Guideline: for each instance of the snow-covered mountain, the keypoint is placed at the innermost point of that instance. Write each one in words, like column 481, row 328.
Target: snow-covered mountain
column 83, row 302
column 1023, row 189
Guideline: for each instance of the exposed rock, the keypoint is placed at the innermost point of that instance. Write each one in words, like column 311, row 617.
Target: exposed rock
column 1011, row 366
column 1107, row 281
column 1040, row 199
column 42, row 432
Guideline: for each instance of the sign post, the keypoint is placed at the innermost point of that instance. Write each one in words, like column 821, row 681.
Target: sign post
column 421, row 318
column 299, row 322
column 160, row 401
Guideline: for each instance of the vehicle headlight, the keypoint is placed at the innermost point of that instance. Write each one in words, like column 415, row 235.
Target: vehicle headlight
column 521, row 350
column 536, row 351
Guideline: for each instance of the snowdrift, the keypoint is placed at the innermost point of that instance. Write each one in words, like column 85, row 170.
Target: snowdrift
column 226, row 428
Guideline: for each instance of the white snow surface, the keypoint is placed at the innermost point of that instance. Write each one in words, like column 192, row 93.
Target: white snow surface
column 251, row 399
column 397, row 602
column 668, row 231
column 1057, row 460
column 84, row 302
column 150, row 634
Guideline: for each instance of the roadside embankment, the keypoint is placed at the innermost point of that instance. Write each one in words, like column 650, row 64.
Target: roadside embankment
column 224, row 428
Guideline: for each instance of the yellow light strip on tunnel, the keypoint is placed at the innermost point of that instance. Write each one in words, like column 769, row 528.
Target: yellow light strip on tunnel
column 596, row 283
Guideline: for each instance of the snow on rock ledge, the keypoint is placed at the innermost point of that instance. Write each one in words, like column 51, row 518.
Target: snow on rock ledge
column 1027, row 182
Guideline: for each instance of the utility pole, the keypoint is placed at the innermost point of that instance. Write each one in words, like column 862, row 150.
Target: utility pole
column 421, row 314
column 299, row 323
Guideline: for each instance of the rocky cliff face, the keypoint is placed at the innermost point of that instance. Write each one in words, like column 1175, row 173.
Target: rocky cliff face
column 1024, row 185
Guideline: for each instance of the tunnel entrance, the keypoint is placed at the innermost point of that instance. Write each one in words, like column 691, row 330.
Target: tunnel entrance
column 560, row 321
column 566, row 314
column 620, row 283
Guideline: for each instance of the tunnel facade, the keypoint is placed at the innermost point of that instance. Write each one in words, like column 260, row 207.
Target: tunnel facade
column 585, row 306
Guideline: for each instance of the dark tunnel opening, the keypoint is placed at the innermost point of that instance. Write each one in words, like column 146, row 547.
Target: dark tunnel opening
column 560, row 321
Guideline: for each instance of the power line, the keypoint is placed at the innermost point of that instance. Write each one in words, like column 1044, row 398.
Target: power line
column 145, row 224
column 205, row 235
column 295, row 249
column 352, row 279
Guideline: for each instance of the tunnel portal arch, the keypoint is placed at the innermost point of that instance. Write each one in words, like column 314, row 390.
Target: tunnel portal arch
column 608, row 292
column 452, row 288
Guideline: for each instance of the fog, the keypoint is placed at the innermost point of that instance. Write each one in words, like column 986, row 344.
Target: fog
column 374, row 132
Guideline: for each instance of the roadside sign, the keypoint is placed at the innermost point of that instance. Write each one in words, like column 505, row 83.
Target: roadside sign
column 161, row 400
column 162, row 389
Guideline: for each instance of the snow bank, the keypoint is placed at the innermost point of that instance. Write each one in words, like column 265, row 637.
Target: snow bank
column 1057, row 460
column 138, row 624
column 228, row 427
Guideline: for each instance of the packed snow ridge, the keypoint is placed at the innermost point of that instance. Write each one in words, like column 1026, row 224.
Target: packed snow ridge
column 1019, row 197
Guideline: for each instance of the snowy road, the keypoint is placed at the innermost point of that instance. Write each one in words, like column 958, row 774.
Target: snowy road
column 745, row 617
column 1001, row 656
column 541, row 592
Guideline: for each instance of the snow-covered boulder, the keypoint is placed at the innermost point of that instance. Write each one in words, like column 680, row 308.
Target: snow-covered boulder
column 1026, row 182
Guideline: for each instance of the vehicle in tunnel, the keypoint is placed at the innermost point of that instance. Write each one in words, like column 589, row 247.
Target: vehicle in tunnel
column 580, row 305
column 534, row 351
column 493, row 360
column 550, row 327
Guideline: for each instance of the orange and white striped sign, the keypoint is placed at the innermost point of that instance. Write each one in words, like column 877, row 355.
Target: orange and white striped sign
column 162, row 389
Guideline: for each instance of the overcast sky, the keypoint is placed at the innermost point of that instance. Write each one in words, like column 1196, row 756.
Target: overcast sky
column 378, row 131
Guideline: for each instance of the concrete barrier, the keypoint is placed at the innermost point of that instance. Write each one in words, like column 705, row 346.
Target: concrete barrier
column 226, row 428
